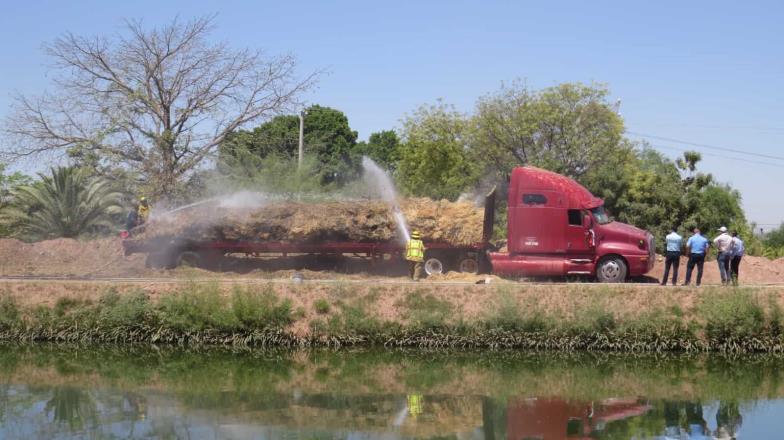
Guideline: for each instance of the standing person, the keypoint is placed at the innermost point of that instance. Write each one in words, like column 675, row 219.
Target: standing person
column 415, row 255
column 143, row 211
column 132, row 220
column 722, row 243
column 673, row 258
column 696, row 247
column 738, row 250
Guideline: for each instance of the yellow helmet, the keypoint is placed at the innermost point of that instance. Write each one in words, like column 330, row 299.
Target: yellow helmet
column 142, row 199
column 416, row 235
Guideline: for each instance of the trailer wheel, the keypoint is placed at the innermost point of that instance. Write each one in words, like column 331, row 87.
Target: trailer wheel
column 434, row 266
column 189, row 259
column 468, row 265
column 611, row 270
column 160, row 260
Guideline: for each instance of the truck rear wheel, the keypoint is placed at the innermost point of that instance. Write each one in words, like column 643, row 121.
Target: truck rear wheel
column 468, row 265
column 434, row 266
column 189, row 259
column 611, row 270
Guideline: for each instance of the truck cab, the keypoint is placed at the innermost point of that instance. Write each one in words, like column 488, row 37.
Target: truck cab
column 556, row 227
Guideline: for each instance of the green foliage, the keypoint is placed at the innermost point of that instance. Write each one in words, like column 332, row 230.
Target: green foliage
column 733, row 314
column 273, row 174
column 383, row 147
column 260, row 310
column 327, row 137
column 425, row 310
column 569, row 128
column 322, row 306
column 9, row 311
column 434, row 158
column 654, row 193
column 63, row 204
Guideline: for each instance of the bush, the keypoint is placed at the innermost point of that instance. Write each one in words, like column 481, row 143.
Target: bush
column 731, row 314
column 322, row 306
column 260, row 310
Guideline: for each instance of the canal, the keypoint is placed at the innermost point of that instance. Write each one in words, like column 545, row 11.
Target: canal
column 151, row 392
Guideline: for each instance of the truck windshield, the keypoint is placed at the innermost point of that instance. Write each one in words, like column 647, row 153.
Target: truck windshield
column 600, row 215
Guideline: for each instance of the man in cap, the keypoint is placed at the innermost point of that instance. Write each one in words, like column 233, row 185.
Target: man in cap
column 737, row 250
column 415, row 255
column 696, row 247
column 722, row 243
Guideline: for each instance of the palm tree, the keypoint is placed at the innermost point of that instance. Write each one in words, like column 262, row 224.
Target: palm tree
column 66, row 204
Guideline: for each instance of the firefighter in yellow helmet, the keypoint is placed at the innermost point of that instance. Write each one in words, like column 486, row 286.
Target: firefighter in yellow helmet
column 415, row 255
column 143, row 211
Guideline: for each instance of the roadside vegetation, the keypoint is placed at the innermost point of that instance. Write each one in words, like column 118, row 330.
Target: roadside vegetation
column 737, row 320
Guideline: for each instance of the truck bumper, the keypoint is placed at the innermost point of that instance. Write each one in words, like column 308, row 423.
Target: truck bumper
column 639, row 264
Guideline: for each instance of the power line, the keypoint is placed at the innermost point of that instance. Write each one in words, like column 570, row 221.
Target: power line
column 712, row 147
column 776, row 165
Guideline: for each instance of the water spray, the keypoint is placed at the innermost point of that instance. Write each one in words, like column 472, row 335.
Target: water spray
column 379, row 180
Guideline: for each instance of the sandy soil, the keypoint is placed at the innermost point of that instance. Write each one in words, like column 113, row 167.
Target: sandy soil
column 753, row 270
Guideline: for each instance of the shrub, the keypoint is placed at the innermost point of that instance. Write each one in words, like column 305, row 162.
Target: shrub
column 263, row 309
column 731, row 314
column 426, row 310
column 322, row 306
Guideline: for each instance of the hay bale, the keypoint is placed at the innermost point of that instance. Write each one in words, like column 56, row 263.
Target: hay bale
column 357, row 221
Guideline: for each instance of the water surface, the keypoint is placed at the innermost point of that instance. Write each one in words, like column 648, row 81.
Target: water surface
column 86, row 392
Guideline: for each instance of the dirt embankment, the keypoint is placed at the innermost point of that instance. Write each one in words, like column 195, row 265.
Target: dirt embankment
column 753, row 270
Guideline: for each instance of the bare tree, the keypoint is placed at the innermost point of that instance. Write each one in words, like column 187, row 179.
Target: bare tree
column 155, row 101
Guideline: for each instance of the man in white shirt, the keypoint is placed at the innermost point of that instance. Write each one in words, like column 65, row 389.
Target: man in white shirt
column 673, row 258
column 722, row 243
column 737, row 250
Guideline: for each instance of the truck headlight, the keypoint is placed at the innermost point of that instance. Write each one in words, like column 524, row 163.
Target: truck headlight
column 641, row 244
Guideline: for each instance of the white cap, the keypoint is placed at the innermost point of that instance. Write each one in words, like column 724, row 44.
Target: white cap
column 723, row 229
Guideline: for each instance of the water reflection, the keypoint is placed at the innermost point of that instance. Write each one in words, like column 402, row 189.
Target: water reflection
column 77, row 392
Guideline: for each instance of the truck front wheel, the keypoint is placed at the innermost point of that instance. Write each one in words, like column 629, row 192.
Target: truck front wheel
column 611, row 270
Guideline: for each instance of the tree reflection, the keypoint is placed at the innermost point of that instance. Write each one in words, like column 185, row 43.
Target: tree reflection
column 72, row 406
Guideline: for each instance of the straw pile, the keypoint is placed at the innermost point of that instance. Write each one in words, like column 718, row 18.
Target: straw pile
column 357, row 221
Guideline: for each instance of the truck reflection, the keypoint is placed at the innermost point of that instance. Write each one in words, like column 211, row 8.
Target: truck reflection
column 554, row 419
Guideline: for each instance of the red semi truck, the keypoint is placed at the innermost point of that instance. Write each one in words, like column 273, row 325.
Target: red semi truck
column 555, row 228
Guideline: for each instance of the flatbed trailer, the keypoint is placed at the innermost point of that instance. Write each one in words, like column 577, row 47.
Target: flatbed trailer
column 172, row 251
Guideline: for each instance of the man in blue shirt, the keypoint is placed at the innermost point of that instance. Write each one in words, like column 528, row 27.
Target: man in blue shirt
column 673, row 257
column 696, row 246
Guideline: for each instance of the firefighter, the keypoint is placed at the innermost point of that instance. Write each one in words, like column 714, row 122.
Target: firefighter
column 415, row 255
column 143, row 211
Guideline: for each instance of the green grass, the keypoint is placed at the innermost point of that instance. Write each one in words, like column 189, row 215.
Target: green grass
column 732, row 320
column 322, row 306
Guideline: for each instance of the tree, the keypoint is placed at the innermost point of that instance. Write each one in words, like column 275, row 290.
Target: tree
column 8, row 185
column 434, row 157
column 65, row 204
column 383, row 147
column 569, row 128
column 157, row 101
column 327, row 137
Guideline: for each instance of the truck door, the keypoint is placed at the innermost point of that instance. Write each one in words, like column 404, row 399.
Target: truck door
column 578, row 238
column 531, row 222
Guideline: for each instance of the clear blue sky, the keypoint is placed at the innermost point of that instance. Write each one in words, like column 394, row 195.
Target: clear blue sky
column 707, row 72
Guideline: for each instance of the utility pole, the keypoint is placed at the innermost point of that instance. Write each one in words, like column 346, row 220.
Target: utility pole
column 301, row 138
